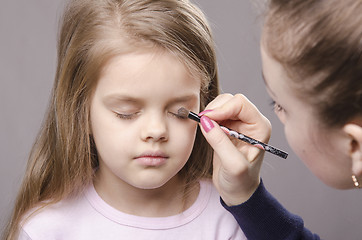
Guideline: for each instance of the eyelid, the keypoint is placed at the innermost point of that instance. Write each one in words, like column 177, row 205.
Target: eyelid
column 126, row 116
column 126, row 112
column 134, row 115
column 176, row 115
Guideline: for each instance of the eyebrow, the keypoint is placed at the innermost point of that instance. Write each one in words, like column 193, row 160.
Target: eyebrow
column 266, row 84
column 116, row 98
column 186, row 98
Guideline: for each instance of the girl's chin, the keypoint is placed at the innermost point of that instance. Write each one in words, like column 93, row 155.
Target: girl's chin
column 150, row 183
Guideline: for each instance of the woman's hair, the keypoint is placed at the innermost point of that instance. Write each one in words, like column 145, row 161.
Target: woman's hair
column 319, row 44
column 63, row 158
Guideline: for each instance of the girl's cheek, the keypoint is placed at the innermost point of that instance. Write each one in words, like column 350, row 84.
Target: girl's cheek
column 187, row 128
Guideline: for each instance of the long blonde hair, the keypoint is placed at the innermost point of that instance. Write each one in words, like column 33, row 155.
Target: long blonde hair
column 63, row 158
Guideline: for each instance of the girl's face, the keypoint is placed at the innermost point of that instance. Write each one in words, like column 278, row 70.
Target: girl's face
column 140, row 139
column 322, row 150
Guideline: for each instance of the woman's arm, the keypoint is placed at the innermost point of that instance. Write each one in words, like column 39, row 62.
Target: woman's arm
column 263, row 217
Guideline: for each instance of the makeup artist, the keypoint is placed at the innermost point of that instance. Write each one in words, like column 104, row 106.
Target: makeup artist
column 312, row 66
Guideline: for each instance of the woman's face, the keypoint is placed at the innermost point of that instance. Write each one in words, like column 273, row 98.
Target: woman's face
column 322, row 150
column 141, row 141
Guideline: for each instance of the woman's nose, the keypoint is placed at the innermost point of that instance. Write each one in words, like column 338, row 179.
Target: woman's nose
column 155, row 128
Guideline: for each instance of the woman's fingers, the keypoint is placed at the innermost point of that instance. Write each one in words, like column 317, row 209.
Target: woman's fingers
column 220, row 142
column 236, row 163
column 236, row 107
column 239, row 114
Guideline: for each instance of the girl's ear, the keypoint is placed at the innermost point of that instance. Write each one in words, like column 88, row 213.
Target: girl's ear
column 354, row 131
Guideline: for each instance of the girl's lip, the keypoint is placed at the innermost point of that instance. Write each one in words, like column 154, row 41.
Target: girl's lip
column 152, row 159
column 152, row 154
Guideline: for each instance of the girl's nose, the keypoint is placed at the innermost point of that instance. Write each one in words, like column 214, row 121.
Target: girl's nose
column 155, row 128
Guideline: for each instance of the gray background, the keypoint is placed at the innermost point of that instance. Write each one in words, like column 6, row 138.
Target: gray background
column 28, row 30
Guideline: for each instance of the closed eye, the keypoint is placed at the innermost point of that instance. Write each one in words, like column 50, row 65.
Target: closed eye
column 126, row 116
column 134, row 115
column 176, row 115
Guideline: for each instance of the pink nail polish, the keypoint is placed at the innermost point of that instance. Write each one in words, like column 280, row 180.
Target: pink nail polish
column 204, row 112
column 206, row 123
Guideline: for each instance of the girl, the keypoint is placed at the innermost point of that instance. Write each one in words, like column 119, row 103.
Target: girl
column 312, row 66
column 113, row 159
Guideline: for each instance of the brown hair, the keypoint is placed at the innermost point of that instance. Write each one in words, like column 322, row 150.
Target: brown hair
column 319, row 44
column 63, row 157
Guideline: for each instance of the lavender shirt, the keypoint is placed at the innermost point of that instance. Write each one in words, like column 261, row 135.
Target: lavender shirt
column 89, row 217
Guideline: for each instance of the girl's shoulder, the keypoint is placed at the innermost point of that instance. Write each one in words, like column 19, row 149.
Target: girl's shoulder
column 53, row 218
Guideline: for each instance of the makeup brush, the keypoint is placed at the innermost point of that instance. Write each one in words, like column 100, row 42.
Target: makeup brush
column 184, row 113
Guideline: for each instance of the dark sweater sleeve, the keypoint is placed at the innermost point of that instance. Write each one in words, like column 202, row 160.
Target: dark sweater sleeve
column 263, row 217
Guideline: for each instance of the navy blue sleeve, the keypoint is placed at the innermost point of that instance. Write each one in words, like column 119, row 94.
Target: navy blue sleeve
column 263, row 217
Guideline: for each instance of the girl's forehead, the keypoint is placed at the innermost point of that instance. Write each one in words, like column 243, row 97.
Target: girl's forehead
column 143, row 54
column 147, row 72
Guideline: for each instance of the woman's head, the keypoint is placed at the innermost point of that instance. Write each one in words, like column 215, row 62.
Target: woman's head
column 318, row 42
column 312, row 65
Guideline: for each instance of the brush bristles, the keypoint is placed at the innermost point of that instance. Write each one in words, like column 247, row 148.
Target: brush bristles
column 183, row 113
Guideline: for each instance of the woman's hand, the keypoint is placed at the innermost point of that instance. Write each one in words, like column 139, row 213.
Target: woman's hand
column 236, row 163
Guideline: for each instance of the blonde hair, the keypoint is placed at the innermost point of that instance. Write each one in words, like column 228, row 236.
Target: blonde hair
column 63, row 158
column 319, row 44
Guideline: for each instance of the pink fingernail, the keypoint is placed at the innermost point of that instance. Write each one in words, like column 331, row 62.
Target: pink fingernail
column 206, row 123
column 204, row 112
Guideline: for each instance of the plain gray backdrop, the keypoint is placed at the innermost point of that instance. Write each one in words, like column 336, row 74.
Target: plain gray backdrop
column 28, row 31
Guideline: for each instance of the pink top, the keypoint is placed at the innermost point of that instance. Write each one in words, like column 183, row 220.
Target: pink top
column 89, row 217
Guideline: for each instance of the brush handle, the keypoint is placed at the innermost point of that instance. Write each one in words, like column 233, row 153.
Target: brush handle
column 194, row 116
column 255, row 142
column 245, row 138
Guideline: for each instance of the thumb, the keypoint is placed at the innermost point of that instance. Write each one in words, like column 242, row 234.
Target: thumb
column 219, row 141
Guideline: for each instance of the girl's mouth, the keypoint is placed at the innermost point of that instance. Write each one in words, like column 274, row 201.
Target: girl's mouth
column 152, row 159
